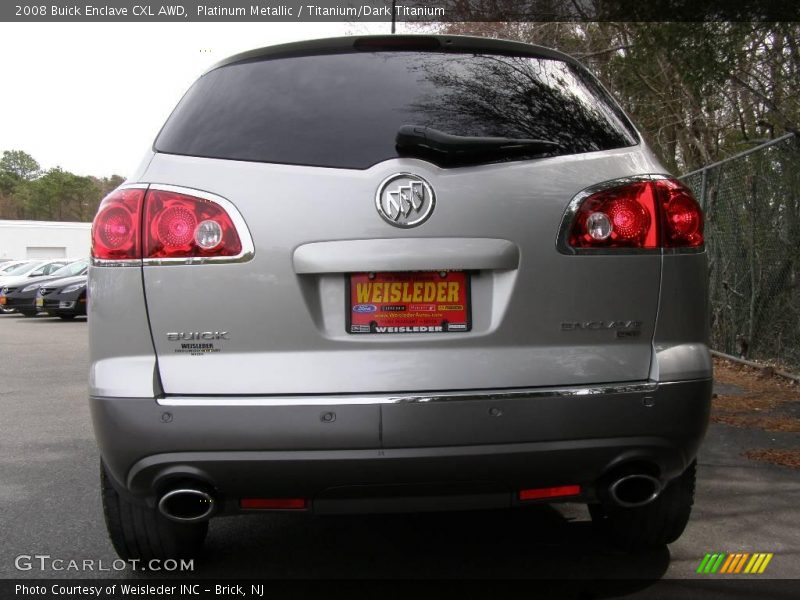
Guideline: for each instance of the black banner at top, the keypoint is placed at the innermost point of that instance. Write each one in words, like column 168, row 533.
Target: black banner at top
column 401, row 10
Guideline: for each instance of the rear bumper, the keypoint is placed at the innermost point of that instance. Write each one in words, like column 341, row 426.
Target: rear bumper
column 475, row 448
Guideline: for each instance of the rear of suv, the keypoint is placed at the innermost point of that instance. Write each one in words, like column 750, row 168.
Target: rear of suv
column 397, row 274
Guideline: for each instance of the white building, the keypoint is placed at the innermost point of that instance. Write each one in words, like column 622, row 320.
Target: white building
column 44, row 239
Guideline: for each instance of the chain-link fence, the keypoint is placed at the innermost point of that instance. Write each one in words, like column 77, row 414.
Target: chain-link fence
column 752, row 204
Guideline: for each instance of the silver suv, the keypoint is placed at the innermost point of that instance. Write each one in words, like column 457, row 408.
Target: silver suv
column 397, row 274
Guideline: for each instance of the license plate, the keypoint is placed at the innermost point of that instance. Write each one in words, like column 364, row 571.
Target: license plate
column 39, row 302
column 415, row 302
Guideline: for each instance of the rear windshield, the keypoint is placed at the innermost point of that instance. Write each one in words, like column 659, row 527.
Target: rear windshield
column 344, row 110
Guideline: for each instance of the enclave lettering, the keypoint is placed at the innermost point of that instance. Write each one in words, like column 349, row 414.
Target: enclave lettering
column 104, row 11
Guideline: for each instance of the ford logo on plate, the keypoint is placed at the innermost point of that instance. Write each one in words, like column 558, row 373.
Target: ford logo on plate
column 364, row 308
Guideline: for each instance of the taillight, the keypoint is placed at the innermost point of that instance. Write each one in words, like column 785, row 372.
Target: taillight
column 683, row 219
column 115, row 229
column 181, row 226
column 646, row 214
column 163, row 223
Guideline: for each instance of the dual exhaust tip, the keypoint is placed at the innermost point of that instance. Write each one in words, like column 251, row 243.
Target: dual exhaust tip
column 634, row 490
column 194, row 505
column 187, row 505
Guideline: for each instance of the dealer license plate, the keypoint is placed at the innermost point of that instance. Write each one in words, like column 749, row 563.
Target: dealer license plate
column 414, row 302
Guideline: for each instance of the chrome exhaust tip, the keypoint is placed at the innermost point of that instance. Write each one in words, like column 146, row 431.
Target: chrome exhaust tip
column 186, row 505
column 634, row 490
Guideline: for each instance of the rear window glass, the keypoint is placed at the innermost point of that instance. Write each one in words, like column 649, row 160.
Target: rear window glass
column 344, row 110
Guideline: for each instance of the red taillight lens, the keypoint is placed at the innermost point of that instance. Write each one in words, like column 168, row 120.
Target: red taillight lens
column 115, row 230
column 622, row 217
column 630, row 220
column 136, row 223
column 683, row 219
column 181, row 226
column 646, row 214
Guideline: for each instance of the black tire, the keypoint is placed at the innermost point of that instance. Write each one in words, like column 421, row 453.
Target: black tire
column 66, row 317
column 141, row 533
column 653, row 525
column 27, row 314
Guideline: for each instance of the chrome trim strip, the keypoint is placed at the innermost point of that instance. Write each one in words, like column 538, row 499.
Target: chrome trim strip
column 102, row 262
column 248, row 249
column 357, row 399
column 139, row 184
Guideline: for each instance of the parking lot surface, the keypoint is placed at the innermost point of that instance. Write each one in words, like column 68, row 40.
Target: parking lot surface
column 49, row 502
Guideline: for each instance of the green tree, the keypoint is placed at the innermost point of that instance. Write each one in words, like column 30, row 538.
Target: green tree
column 58, row 195
column 28, row 193
column 19, row 163
column 16, row 167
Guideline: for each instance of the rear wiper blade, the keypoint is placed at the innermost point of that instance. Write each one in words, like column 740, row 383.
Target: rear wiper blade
column 427, row 141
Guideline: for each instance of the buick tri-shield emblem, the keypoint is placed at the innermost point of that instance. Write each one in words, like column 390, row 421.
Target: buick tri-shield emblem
column 405, row 200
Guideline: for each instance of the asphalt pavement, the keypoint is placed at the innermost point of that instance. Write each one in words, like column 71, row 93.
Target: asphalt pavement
column 49, row 503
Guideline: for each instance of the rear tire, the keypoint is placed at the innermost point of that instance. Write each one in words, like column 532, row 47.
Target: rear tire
column 141, row 533
column 653, row 525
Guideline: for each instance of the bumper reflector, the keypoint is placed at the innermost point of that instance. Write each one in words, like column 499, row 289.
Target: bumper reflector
column 273, row 503
column 551, row 492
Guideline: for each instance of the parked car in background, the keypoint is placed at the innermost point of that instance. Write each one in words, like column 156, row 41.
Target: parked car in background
column 64, row 298
column 21, row 273
column 6, row 267
column 21, row 297
column 4, row 270
column 453, row 276
column 33, row 268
